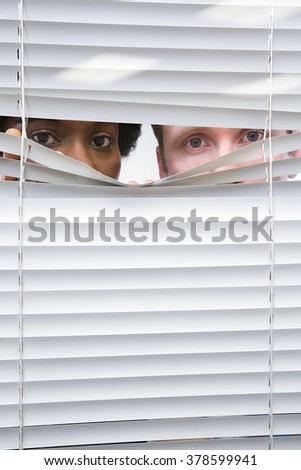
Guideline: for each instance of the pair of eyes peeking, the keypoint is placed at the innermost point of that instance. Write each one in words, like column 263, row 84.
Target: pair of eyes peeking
column 247, row 138
column 46, row 138
column 104, row 142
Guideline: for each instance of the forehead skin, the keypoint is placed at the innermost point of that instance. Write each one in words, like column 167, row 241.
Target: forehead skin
column 75, row 139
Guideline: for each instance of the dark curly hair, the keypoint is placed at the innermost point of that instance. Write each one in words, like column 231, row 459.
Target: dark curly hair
column 128, row 135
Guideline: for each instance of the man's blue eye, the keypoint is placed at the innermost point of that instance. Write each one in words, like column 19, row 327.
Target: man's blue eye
column 195, row 143
column 253, row 136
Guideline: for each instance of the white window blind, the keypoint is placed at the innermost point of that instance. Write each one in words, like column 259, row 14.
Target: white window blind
column 151, row 344
column 204, row 62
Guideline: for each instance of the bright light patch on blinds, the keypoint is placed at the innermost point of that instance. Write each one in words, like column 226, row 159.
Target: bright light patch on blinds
column 110, row 67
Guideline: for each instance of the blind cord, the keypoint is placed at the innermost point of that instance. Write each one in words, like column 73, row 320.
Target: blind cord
column 272, row 247
column 21, row 77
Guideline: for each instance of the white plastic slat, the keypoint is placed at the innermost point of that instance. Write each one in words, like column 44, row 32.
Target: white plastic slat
column 148, row 365
column 136, row 345
column 145, row 430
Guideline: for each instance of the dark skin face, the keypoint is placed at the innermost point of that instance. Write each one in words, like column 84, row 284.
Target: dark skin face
column 93, row 143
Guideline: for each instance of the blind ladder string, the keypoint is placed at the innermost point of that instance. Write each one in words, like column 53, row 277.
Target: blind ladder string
column 21, row 77
column 272, row 222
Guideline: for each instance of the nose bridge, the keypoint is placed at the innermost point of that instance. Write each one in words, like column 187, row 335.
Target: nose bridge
column 225, row 145
column 76, row 148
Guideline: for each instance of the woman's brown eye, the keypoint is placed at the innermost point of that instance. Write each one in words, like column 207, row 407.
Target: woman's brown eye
column 43, row 138
column 101, row 141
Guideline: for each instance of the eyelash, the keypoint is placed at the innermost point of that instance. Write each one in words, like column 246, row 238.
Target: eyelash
column 107, row 140
column 104, row 137
column 258, row 131
column 47, row 133
column 202, row 141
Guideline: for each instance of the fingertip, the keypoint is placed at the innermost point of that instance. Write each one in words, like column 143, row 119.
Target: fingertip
column 13, row 131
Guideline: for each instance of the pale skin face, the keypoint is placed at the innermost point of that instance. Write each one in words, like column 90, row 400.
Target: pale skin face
column 187, row 147
column 93, row 143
